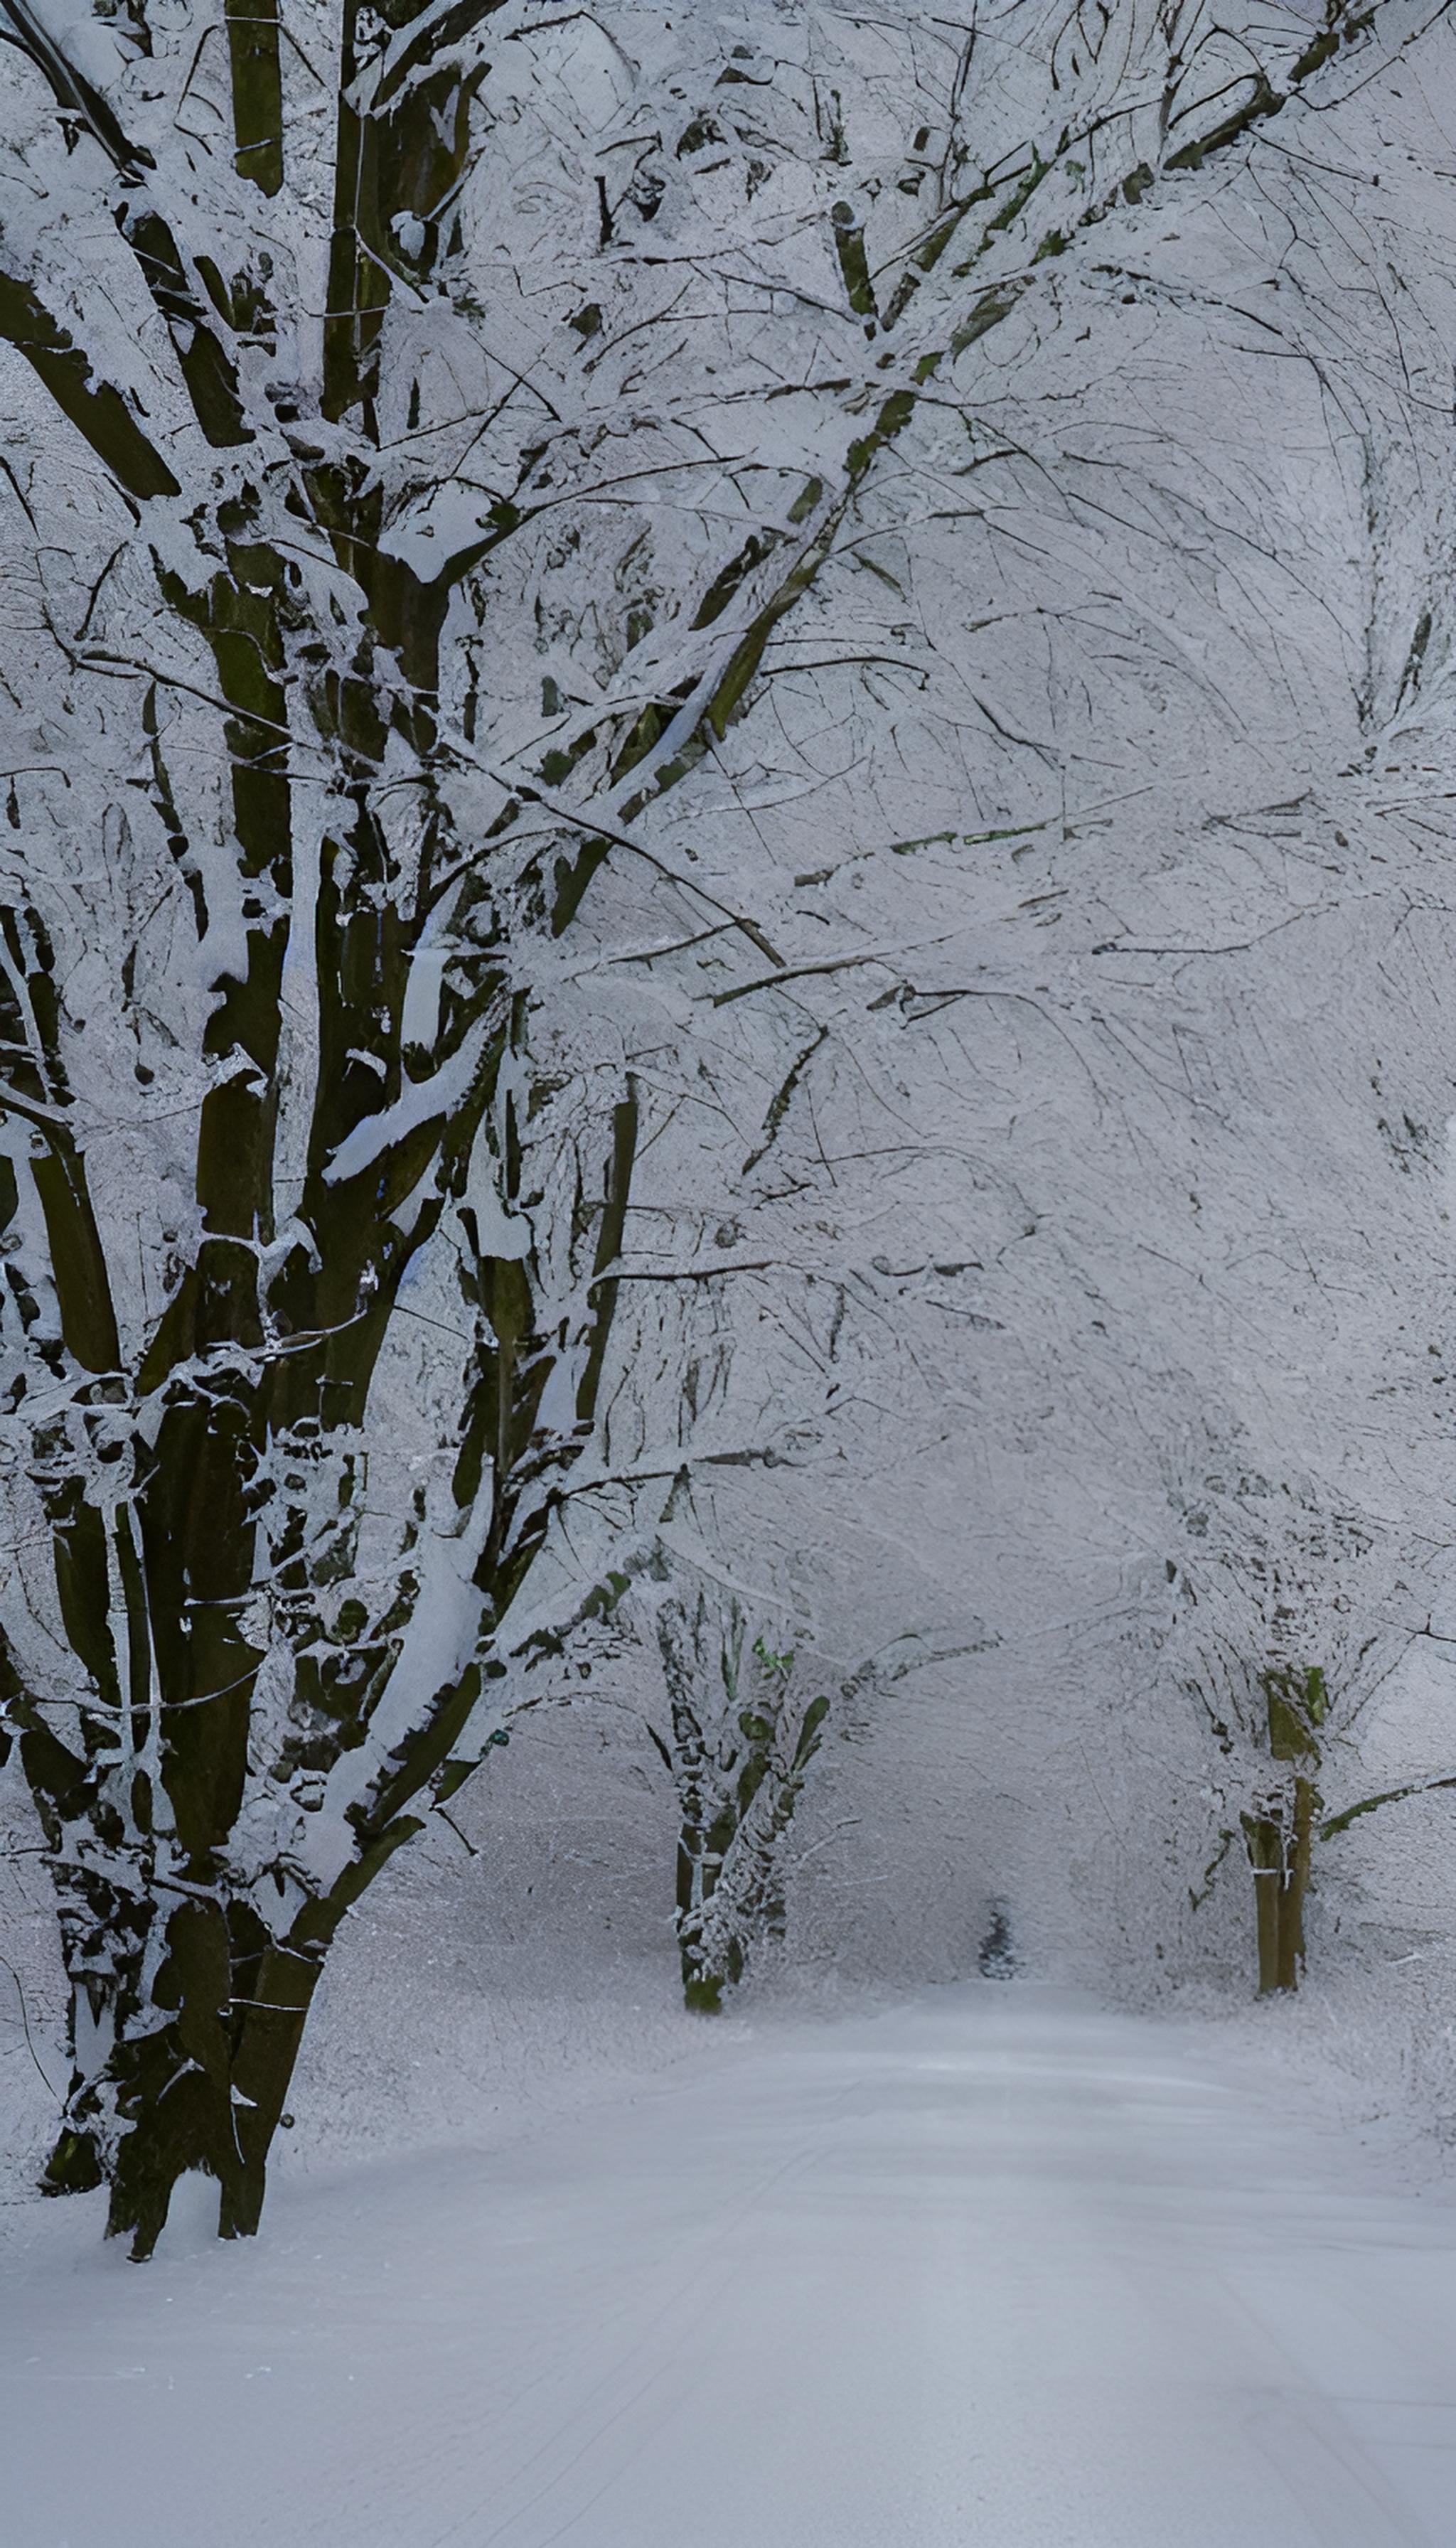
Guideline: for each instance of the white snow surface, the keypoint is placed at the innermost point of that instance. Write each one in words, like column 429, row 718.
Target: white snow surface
column 993, row 2265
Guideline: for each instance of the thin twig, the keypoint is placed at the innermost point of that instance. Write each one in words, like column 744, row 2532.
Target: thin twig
column 25, row 2019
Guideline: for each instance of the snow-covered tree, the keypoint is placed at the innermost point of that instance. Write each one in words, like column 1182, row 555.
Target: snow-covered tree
column 294, row 1088
column 463, row 456
column 1288, row 1614
column 744, row 1726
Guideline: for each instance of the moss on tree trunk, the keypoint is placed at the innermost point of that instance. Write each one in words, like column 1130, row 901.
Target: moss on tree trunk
column 1279, row 1827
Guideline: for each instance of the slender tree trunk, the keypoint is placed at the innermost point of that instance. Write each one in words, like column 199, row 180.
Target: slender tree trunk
column 1278, row 1843
column 1279, row 1827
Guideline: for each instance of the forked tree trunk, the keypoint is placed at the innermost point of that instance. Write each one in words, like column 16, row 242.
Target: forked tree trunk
column 191, row 1968
column 740, row 1751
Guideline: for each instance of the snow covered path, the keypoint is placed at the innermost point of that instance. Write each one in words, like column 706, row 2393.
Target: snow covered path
column 995, row 2270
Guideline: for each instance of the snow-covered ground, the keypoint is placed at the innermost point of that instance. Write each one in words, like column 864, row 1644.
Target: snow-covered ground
column 993, row 2269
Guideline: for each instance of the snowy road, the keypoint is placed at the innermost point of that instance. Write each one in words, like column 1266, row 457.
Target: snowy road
column 992, row 2271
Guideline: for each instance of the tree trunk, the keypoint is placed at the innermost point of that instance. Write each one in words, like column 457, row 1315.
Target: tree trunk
column 741, row 1748
column 1278, row 1836
column 205, row 2089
